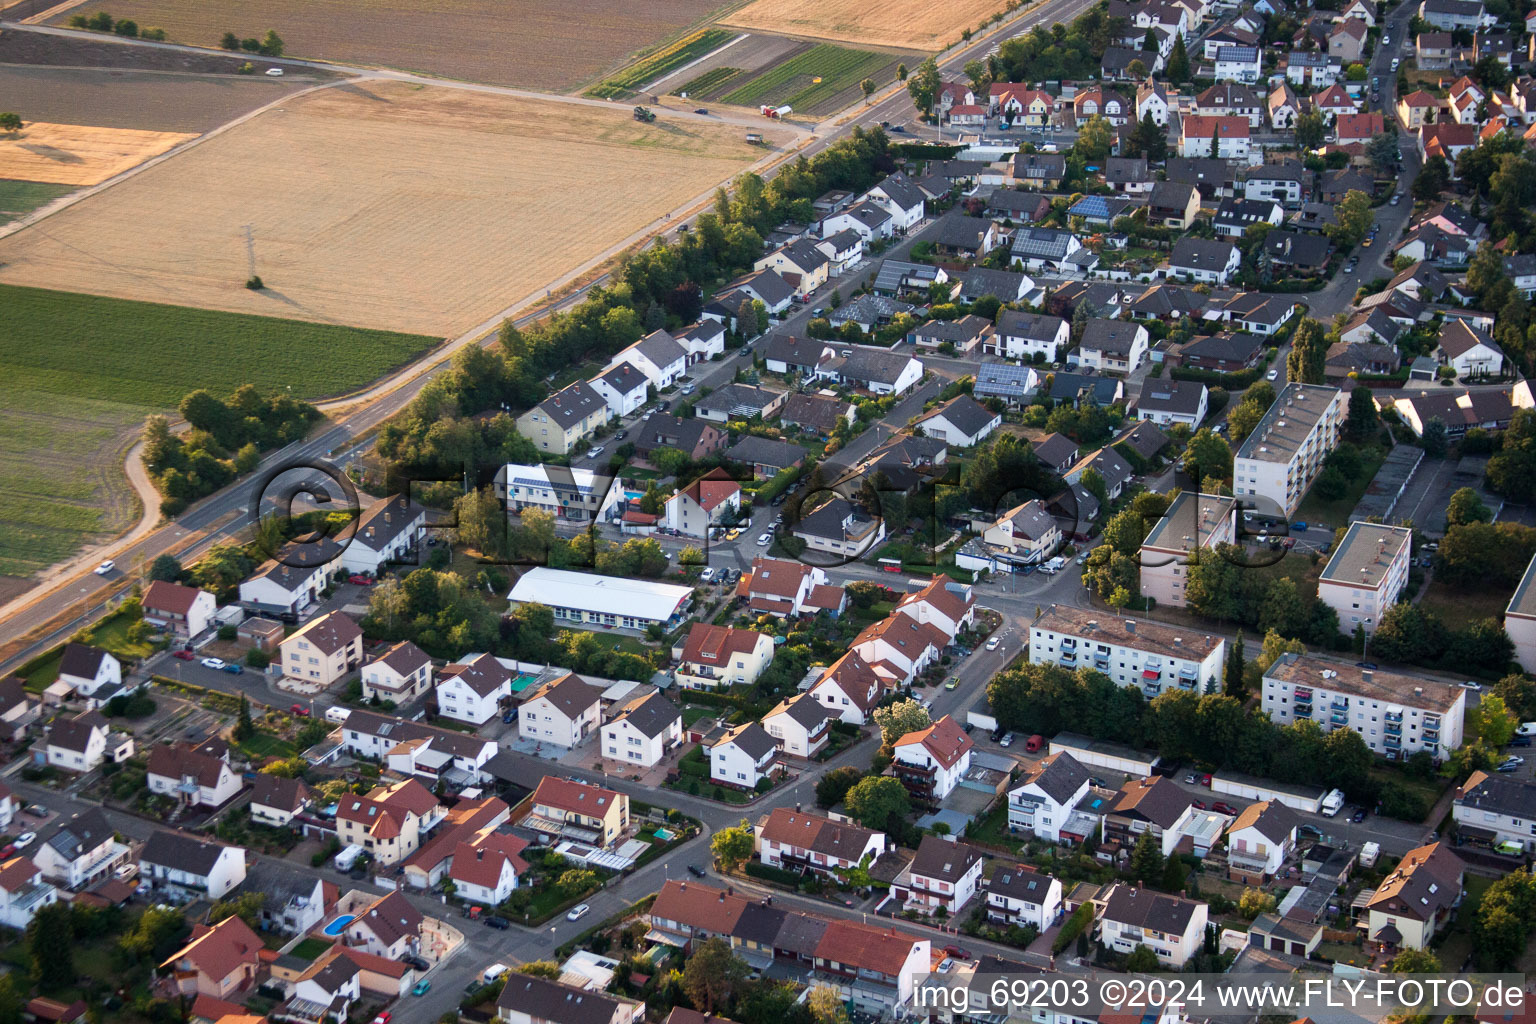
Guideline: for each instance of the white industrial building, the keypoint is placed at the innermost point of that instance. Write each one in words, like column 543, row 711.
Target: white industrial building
column 611, row 602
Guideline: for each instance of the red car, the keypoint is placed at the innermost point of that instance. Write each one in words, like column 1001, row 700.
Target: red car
column 1205, row 780
column 300, row 710
column 362, row 581
column 183, row 655
column 384, row 1017
column 1198, row 805
column 1223, row 808
column 957, row 952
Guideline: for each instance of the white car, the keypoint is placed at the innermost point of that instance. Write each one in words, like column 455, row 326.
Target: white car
column 25, row 839
column 1511, row 759
column 1272, row 374
column 765, row 540
column 992, row 643
column 1526, row 729
column 105, row 567
column 1470, row 685
column 687, row 389
column 275, row 72
column 213, row 663
column 578, row 912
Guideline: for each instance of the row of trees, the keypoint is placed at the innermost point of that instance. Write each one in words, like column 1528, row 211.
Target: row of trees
column 270, row 45
column 226, row 440
column 658, row 287
column 101, row 21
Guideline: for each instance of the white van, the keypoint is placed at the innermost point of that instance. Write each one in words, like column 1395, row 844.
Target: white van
column 493, row 972
column 337, row 715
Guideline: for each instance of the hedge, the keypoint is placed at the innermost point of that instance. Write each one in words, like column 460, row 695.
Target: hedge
column 1214, row 378
column 1075, row 926
column 772, row 874
column 924, row 151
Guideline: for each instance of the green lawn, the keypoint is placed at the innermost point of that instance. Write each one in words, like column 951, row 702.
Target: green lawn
column 794, row 81
column 110, row 634
column 265, row 744
column 693, row 714
column 1460, row 608
column 661, row 62
column 19, row 198
column 1336, row 513
column 709, row 82
column 310, row 949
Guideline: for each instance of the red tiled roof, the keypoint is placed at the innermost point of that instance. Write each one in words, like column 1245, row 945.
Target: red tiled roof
column 221, row 950
column 566, row 795
column 480, row 863
column 944, row 739
column 708, row 644
column 161, row 596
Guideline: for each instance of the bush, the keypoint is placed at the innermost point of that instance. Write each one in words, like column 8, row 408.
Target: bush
column 769, row 873
column 1076, row 925
column 255, row 658
column 228, row 633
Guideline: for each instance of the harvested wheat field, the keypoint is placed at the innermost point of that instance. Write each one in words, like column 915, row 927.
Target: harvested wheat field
column 75, row 154
column 907, row 24
column 393, row 206
column 530, row 43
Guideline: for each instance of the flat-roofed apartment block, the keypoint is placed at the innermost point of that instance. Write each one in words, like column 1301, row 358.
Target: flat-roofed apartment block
column 1132, row 652
column 1520, row 619
column 1368, row 570
column 1397, row 715
column 1194, row 522
column 1278, row 462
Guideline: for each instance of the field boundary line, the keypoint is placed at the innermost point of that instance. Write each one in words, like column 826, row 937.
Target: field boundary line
column 65, row 202
column 55, row 10
column 693, row 63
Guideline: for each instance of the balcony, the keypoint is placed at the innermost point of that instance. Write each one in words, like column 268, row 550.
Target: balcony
column 1303, row 711
column 1394, row 717
column 1340, row 704
column 1068, row 643
column 1431, row 735
column 1392, row 742
column 1393, row 729
column 1339, row 718
column 1068, row 659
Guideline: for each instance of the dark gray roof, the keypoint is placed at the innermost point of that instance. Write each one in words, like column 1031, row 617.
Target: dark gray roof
column 1060, row 776
column 1016, row 323
column 892, row 275
column 1258, row 307
column 1201, row 254
column 1498, row 794
column 652, row 714
column 874, row 365
column 805, row 254
column 387, row 519
column 944, row 860
column 625, row 378
column 1042, row 243
column 182, row 852
column 753, row 739
column 900, row 190
column 827, row 519
column 572, row 404
column 81, row 660
column 1174, row 396
column 796, row 351
column 1117, row 336
column 1030, row 166
column 1232, row 347
column 1055, row 449
column 75, row 733
column 1004, row 380
column 967, row 414
column 1122, row 168
column 1297, row 248
column 553, row 1002
column 815, row 411
column 80, row 834
column 1280, row 170
column 1067, row 387
column 1004, row 284
column 1143, row 438
column 1157, row 911
column 772, row 288
column 1110, row 464
column 1199, row 170
column 1021, row 882
column 1171, row 195
column 957, row 231
column 765, row 451
column 870, row 309
column 1242, row 214
column 665, row 430
column 743, row 400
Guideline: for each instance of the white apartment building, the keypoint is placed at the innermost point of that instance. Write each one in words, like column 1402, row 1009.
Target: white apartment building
column 800, row 725
column 1366, row 573
column 1278, row 462
column 579, row 495
column 584, row 598
column 797, row 839
column 1172, row 927
column 1397, row 715
column 1193, row 523
column 931, row 762
column 1520, row 619
column 1132, row 652
column 743, row 756
column 400, row 674
column 1259, row 840
column 943, row 873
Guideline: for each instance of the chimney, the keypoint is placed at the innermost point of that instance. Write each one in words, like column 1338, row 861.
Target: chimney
column 1130, row 625
column 1365, row 675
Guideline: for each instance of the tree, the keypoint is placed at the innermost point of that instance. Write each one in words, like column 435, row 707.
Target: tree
column 271, row 45
column 976, row 74
column 244, row 905
column 877, row 802
column 244, row 728
column 899, row 718
column 1149, row 42
column 229, row 42
column 576, row 881
column 1136, row 68
column 826, row 1005
column 1354, row 217
column 1433, row 178
column 1519, row 694
column 1236, row 667
column 1208, row 454
column 1275, row 645
column 832, row 787
column 1434, row 440
column 1177, row 69
column 1415, row 961
column 868, row 87
column 540, row 969
column 1094, row 140
column 1308, row 357
column 165, row 568
column 901, row 72
column 1497, row 723
column 1310, row 130
column 1146, row 865
column 1142, row 960
column 1093, row 482
column 1383, row 153
column 924, row 86
column 51, row 943
column 1466, row 506
column 1363, row 421
column 1254, row 902
column 10, row 121
column 713, row 975
column 732, row 846
column 1149, row 140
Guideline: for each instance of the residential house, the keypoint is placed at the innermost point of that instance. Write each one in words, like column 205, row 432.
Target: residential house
column 1113, row 345
column 1004, row 284
column 1496, row 811
column 1469, row 350
column 656, row 355
column 1433, row 51
column 942, row 874
column 879, row 371
column 569, row 416
column 191, row 776
column 220, row 961
column 1022, row 335
column 958, row 337
column 623, row 388
column 1358, row 357
column 175, row 860
column 800, row 725
column 1024, row 536
column 1284, row 107
column 1221, row 137
column 1045, row 248
column 872, row 221
column 388, row 531
column 1371, row 326
column 1229, row 97
column 837, row 527
column 1284, row 181
column 948, row 604
column 578, row 810
column 390, row 927
column 706, row 339
column 19, row 709
column 1043, row 801
column 962, row 422
column 324, row 651
column 23, row 892
column 1259, row 841
column 474, row 689
column 903, row 199
column 91, row 673
column 1173, row 204
column 1172, row 401
column 1418, row 108
column 709, row 501
column 1226, row 35
column 1346, row 40
column 643, row 731
column 743, row 756
column 1225, row 352
column 1152, row 98
column 1239, row 63
column 388, row 822
column 1204, row 260
column 693, row 437
column 1234, row 217
column 1132, row 652
column 1018, row 894
column 801, row 263
column 930, row 762
column 80, row 851
column 1413, row 904
column 1308, row 69
column 784, row 588
column 1171, row 926
column 181, row 610
column 1129, row 175
column 81, row 743
column 1395, row 713
column 712, row 656
column 1012, row 385
column 1298, row 252
column 276, row 801
column 1450, row 15
column 850, row 689
column 562, row 712
column 487, row 870
column 528, row 999
column 816, row 413
column 399, row 675
column 1334, row 102
column 1214, row 178
column 1113, row 469
column 1057, row 452
column 805, row 841
column 1195, row 525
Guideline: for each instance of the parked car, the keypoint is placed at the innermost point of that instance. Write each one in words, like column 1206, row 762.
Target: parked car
column 299, row 709
column 701, row 110
column 765, row 540
column 1221, row 807
column 362, row 581
column 1309, row 831
column 1520, row 741
column 501, row 924
column 384, row 1017
column 951, row 682
column 1205, row 780
column 421, row 988
column 35, row 810
column 992, row 644
column 418, row 962
column 1358, row 816
column 578, row 912
column 213, row 663
column 959, row 952
column 1506, row 769
column 1470, row 685
column 1272, row 374
column 234, row 668
column 105, row 567
column 1006, row 741
column 1198, row 805
column 184, row 655
column 696, row 871
column 275, row 72
column 1511, row 759
column 1191, row 779
column 25, row 840
column 595, row 452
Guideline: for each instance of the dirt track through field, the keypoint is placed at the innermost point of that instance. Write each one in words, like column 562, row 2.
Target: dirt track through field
column 908, row 24
column 388, row 205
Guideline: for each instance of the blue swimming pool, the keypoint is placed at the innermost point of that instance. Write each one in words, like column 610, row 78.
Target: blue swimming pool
column 336, row 927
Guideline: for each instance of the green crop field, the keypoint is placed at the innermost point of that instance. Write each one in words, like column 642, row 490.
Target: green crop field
column 661, row 62
column 19, row 198
column 709, row 83
column 793, row 82
column 82, row 372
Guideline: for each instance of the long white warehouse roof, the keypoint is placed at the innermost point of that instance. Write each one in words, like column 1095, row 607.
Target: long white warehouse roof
column 612, row 595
